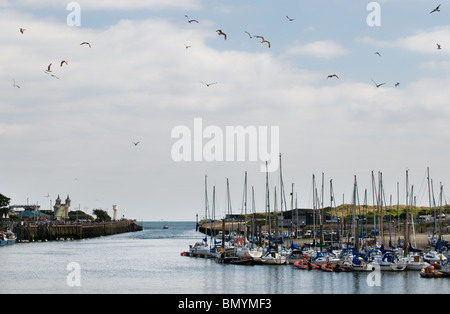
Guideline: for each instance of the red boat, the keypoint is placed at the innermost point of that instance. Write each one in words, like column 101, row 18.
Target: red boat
column 305, row 264
column 332, row 268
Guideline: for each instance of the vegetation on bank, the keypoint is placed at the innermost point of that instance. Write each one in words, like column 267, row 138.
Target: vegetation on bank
column 368, row 213
column 74, row 215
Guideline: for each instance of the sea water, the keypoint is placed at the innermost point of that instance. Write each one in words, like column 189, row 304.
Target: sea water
column 150, row 262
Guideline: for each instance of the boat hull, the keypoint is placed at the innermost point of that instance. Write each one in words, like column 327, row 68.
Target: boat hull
column 305, row 265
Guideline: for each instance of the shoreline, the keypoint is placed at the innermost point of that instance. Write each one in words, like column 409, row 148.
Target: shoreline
column 418, row 240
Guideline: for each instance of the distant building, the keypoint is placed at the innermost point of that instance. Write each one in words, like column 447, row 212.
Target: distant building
column 297, row 217
column 61, row 211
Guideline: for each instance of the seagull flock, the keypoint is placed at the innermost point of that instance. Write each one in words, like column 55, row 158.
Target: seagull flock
column 48, row 70
column 264, row 41
column 397, row 84
column 219, row 32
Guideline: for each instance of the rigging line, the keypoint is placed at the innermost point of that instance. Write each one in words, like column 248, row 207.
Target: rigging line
column 244, row 194
column 423, row 187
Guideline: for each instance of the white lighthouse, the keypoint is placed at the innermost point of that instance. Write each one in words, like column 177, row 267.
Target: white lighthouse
column 115, row 212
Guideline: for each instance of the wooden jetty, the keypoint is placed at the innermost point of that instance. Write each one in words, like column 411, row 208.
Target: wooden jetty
column 29, row 232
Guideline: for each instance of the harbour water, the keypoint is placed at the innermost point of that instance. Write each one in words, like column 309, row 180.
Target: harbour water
column 149, row 262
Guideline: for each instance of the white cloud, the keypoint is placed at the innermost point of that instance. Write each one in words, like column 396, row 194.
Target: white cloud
column 423, row 41
column 326, row 49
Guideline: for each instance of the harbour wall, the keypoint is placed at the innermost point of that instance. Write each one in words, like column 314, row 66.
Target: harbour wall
column 29, row 232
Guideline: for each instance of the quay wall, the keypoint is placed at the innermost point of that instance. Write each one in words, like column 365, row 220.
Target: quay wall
column 50, row 232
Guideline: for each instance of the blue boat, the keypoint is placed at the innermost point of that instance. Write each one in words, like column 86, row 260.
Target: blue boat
column 7, row 238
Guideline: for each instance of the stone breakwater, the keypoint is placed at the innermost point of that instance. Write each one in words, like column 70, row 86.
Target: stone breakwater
column 30, row 232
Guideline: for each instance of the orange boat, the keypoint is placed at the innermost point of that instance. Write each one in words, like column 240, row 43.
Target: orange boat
column 305, row 264
column 332, row 268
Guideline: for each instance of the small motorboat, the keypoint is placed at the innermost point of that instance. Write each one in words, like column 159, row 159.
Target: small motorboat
column 415, row 262
column 7, row 238
column 305, row 264
column 431, row 272
column 274, row 258
column 336, row 268
column 434, row 257
column 325, row 257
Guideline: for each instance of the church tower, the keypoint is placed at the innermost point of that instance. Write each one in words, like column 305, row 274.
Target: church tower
column 68, row 201
column 61, row 211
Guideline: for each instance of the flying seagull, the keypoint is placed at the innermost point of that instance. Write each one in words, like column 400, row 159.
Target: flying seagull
column 86, row 43
column 64, row 61
column 14, row 84
column 377, row 53
column 187, row 46
column 49, row 68
column 249, row 35
column 136, row 143
column 438, row 47
column 52, row 75
column 332, row 75
column 208, row 84
column 290, row 20
column 437, row 9
column 378, row 85
column 263, row 40
column 22, row 30
column 219, row 32
column 190, row 21
column 397, row 84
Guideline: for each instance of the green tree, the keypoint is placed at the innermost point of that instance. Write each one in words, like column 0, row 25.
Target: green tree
column 101, row 215
column 78, row 214
column 4, row 203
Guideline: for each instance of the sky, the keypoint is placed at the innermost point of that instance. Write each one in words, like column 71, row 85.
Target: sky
column 72, row 131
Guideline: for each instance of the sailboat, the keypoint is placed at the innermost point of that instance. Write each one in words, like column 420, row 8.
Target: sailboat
column 272, row 256
column 415, row 262
column 248, row 251
column 388, row 262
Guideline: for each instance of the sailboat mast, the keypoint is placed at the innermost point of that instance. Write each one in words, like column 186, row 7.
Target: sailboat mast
column 429, row 200
column 276, row 218
column 213, row 209
column 440, row 209
column 405, row 245
column 314, row 207
column 321, row 212
column 281, row 203
column 412, row 214
column 354, row 222
column 230, row 211
column 254, row 222
column 206, row 197
column 268, row 202
column 292, row 212
column 380, row 207
column 375, row 203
